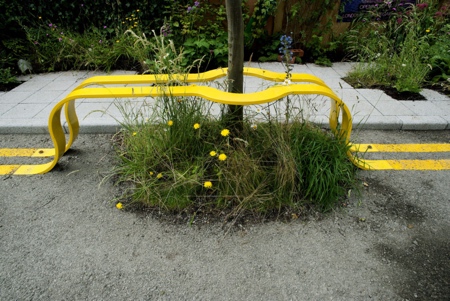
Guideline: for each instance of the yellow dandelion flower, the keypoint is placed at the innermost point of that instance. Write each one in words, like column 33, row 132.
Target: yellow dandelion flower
column 170, row 123
column 151, row 173
column 428, row 30
column 117, row 41
column 207, row 184
column 119, row 205
column 225, row 132
column 134, row 134
column 212, row 153
column 222, row 157
column 159, row 176
column 196, row 126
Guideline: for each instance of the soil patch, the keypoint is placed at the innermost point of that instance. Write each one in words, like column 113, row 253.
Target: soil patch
column 392, row 92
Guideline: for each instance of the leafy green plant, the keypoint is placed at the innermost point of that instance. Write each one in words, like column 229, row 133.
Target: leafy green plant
column 255, row 27
column 439, row 56
column 396, row 52
column 266, row 49
column 55, row 48
column 7, row 77
column 200, row 28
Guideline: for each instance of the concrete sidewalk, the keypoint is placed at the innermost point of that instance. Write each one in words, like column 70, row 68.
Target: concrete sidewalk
column 26, row 108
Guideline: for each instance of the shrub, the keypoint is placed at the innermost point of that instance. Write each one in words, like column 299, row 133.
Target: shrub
column 400, row 51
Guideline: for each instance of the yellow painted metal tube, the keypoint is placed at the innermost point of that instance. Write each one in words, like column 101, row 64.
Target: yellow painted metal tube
column 316, row 86
column 196, row 78
column 271, row 94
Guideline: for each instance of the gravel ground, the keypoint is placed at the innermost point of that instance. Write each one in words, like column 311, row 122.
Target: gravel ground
column 63, row 239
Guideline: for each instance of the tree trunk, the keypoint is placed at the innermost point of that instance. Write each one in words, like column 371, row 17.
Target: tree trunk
column 235, row 114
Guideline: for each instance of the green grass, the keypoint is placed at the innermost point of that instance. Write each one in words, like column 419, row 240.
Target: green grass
column 270, row 167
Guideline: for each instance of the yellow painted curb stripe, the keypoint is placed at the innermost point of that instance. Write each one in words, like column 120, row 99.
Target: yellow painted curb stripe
column 27, row 152
column 397, row 148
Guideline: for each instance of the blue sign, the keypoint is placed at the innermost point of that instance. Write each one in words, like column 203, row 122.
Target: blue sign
column 352, row 9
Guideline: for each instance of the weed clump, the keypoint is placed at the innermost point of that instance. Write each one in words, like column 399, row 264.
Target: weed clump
column 185, row 157
column 190, row 161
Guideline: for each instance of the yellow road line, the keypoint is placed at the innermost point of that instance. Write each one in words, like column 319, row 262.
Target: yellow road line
column 27, row 152
column 398, row 148
column 443, row 164
column 8, row 169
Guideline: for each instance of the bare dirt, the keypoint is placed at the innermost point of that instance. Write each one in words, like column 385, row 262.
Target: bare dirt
column 63, row 239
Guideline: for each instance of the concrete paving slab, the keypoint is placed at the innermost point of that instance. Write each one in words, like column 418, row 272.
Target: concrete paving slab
column 393, row 108
column 59, row 85
column 31, row 86
column 443, row 105
column 45, row 97
column 336, row 83
column 343, row 68
column 424, row 108
column 15, row 97
column 24, row 111
column 5, row 107
column 434, row 95
column 374, row 95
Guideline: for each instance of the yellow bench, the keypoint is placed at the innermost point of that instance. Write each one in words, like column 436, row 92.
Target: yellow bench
column 340, row 118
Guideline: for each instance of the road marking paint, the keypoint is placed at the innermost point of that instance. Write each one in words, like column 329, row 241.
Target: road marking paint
column 443, row 164
column 401, row 148
column 27, row 152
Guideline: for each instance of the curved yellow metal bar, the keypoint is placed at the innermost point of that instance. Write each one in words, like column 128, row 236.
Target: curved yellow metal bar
column 196, row 78
column 273, row 93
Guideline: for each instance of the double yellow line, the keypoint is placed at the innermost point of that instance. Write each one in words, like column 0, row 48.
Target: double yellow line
column 412, row 164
